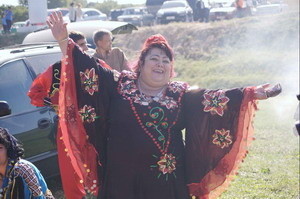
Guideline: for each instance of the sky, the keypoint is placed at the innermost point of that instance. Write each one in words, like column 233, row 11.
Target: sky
column 16, row 2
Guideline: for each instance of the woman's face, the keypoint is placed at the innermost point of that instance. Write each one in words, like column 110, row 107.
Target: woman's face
column 156, row 70
column 3, row 154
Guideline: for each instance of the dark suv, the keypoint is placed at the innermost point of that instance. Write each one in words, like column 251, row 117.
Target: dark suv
column 34, row 126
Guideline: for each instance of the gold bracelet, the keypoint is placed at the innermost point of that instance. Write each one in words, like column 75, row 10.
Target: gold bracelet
column 65, row 39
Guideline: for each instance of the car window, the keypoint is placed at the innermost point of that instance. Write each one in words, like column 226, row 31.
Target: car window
column 40, row 63
column 14, row 85
column 91, row 13
column 170, row 4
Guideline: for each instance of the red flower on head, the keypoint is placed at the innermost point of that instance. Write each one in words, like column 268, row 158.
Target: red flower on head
column 155, row 39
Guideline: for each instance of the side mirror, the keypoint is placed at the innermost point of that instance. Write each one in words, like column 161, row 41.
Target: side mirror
column 4, row 109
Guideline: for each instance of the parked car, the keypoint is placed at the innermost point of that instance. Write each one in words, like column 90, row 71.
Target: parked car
column 271, row 8
column 91, row 14
column 137, row 16
column 34, row 126
column 178, row 10
column 222, row 9
column 64, row 11
column 86, row 27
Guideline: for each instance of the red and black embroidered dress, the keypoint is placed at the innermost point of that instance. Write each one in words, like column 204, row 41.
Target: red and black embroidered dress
column 136, row 140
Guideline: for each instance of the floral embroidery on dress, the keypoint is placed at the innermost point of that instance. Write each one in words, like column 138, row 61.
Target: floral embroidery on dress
column 167, row 163
column 88, row 114
column 215, row 102
column 89, row 81
column 176, row 87
column 128, row 89
column 71, row 113
column 222, row 138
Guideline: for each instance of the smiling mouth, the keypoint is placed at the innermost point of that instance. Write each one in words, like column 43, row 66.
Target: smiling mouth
column 158, row 71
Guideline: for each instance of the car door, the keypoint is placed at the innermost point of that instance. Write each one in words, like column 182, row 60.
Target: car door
column 33, row 126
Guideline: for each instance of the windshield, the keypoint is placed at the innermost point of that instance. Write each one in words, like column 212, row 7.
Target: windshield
column 170, row 4
column 133, row 11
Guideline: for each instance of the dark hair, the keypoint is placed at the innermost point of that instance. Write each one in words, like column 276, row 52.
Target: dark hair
column 76, row 35
column 98, row 35
column 163, row 46
column 13, row 146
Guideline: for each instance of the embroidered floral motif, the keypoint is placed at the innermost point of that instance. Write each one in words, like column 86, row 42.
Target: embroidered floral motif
column 71, row 113
column 167, row 163
column 88, row 114
column 128, row 89
column 176, row 87
column 215, row 102
column 89, row 81
column 169, row 102
column 222, row 138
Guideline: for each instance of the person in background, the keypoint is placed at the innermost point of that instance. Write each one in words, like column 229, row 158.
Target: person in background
column 9, row 18
column 19, row 178
column 114, row 57
column 136, row 119
column 72, row 13
column 79, row 16
column 44, row 92
column 4, row 24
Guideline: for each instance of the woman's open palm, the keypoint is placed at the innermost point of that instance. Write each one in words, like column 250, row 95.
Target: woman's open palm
column 57, row 26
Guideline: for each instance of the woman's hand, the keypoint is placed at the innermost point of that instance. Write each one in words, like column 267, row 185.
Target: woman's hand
column 265, row 91
column 57, row 26
column 59, row 30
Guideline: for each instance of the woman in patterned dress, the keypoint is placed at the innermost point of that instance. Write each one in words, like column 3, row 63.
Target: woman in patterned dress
column 122, row 131
column 19, row 179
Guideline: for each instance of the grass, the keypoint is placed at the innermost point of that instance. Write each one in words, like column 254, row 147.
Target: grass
column 243, row 52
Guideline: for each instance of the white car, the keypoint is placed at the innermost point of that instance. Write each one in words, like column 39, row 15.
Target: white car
column 178, row 10
column 222, row 9
column 91, row 14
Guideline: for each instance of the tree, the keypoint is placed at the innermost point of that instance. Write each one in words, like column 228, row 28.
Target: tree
column 20, row 13
column 56, row 3
column 23, row 2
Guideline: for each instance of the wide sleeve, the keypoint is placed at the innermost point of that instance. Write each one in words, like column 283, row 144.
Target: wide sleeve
column 83, row 105
column 41, row 86
column 218, row 132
